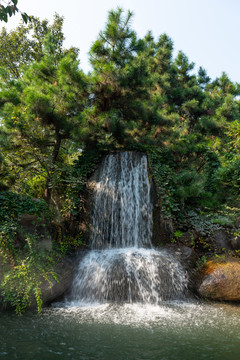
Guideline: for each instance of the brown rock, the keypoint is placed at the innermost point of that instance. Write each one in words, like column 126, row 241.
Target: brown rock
column 220, row 281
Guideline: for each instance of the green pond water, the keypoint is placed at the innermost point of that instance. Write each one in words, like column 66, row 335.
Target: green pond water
column 123, row 332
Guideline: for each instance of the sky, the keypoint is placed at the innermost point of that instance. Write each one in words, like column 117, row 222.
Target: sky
column 207, row 31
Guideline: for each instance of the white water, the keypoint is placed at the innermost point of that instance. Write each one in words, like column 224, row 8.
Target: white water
column 122, row 265
column 129, row 275
column 122, row 210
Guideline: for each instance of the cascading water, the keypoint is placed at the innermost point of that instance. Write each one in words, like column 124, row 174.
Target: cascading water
column 122, row 210
column 122, row 265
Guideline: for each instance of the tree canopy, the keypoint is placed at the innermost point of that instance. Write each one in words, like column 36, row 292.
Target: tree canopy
column 136, row 96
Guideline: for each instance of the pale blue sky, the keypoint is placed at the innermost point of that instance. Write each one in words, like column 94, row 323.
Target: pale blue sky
column 207, row 31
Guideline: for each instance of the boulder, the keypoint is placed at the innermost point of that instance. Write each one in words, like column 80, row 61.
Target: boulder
column 220, row 280
column 54, row 290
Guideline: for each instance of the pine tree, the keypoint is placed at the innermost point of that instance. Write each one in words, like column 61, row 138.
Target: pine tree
column 41, row 110
column 119, row 80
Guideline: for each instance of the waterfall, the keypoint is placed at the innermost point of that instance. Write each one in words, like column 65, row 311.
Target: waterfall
column 122, row 265
column 122, row 210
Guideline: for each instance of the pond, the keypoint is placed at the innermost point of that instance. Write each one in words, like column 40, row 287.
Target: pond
column 174, row 330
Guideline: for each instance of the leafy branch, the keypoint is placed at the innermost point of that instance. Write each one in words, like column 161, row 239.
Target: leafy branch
column 9, row 8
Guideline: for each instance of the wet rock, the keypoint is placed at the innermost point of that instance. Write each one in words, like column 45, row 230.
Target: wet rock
column 185, row 255
column 162, row 231
column 188, row 256
column 220, row 280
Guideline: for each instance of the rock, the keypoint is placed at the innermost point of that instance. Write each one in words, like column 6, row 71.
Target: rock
column 220, row 280
column 222, row 240
column 162, row 231
column 53, row 290
column 235, row 243
column 30, row 224
column 188, row 256
column 185, row 255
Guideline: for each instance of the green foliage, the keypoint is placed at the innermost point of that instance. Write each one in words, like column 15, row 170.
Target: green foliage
column 74, row 182
column 163, row 175
column 10, row 8
column 25, row 266
column 12, row 206
column 201, row 261
column 22, row 280
column 119, row 81
column 25, row 44
column 70, row 243
column 222, row 220
column 45, row 114
column 231, row 159
column 178, row 234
